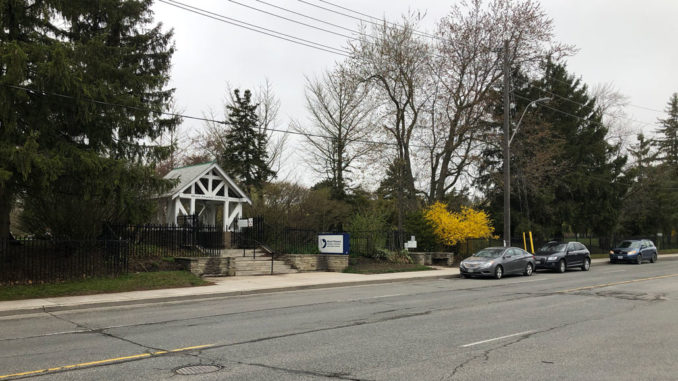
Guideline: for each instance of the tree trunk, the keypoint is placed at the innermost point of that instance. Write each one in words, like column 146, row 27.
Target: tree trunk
column 5, row 209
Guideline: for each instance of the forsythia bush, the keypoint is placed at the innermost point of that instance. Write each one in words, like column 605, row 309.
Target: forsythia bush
column 451, row 228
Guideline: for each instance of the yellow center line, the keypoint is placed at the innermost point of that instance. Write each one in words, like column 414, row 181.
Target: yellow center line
column 100, row 362
column 617, row 283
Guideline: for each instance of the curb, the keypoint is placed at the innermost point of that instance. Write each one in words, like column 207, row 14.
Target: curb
column 169, row 299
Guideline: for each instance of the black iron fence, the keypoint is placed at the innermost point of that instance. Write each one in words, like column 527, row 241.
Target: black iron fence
column 33, row 261
column 187, row 240
column 290, row 240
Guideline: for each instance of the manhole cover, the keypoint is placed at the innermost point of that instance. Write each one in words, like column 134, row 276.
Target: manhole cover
column 197, row 369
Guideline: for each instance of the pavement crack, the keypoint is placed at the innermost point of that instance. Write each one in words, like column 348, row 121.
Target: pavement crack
column 333, row 375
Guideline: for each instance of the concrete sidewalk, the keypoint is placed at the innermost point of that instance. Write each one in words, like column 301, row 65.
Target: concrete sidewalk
column 231, row 286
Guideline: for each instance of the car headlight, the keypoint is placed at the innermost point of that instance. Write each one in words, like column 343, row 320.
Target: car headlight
column 553, row 258
column 632, row 252
column 611, row 251
column 486, row 265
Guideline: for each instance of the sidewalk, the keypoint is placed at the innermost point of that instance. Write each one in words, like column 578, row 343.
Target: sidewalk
column 231, row 286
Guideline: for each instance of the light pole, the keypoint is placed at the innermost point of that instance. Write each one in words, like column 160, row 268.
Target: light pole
column 507, row 158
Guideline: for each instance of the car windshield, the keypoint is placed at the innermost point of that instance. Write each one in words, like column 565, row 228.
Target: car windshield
column 489, row 253
column 629, row 244
column 553, row 247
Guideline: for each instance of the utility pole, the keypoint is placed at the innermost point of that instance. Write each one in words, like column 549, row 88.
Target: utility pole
column 507, row 154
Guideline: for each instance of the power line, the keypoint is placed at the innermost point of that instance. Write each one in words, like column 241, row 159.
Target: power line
column 307, row 16
column 630, row 104
column 369, row 21
column 177, row 115
column 262, row 30
column 289, row 19
column 583, row 105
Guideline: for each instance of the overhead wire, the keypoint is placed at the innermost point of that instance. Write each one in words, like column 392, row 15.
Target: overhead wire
column 252, row 27
column 422, row 34
column 306, row 16
column 583, row 105
column 181, row 115
column 289, row 19
column 630, row 104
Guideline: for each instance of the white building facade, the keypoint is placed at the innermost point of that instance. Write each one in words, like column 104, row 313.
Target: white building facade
column 207, row 191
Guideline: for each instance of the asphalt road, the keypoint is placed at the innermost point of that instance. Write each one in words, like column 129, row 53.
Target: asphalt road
column 615, row 322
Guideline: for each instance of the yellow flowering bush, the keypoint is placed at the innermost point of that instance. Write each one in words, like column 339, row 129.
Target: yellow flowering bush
column 451, row 228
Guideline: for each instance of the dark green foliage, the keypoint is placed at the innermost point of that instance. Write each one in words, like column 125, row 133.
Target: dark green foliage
column 244, row 153
column 54, row 135
column 416, row 225
column 565, row 175
column 667, row 140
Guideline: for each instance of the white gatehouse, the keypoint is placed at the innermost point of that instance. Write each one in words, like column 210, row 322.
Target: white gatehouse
column 207, row 191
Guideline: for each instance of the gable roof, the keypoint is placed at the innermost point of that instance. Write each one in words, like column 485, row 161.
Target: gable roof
column 192, row 173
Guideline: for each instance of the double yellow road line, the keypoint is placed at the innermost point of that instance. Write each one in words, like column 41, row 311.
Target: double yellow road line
column 103, row 362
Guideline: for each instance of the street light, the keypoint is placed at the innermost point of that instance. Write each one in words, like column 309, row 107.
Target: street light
column 507, row 158
column 533, row 103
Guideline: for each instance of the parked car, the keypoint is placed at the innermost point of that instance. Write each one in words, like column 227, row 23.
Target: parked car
column 634, row 250
column 560, row 256
column 497, row 262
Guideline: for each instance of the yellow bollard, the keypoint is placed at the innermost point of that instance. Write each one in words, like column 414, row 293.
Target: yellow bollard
column 524, row 243
column 531, row 243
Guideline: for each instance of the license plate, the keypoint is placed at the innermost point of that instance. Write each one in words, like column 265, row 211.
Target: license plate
column 620, row 257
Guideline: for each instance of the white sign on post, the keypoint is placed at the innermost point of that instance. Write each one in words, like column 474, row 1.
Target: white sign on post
column 411, row 244
column 246, row 223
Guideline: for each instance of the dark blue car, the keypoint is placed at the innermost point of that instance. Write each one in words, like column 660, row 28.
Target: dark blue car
column 635, row 251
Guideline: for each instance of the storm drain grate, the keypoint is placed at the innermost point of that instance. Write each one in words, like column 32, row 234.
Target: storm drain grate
column 197, row 369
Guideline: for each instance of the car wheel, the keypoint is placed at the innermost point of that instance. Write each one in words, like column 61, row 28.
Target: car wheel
column 562, row 266
column 528, row 270
column 639, row 259
column 498, row 272
column 654, row 258
column 587, row 264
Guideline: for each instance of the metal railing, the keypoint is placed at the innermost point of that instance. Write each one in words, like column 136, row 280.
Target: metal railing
column 34, row 261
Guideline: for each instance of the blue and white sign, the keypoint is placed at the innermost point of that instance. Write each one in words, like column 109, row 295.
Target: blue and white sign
column 337, row 243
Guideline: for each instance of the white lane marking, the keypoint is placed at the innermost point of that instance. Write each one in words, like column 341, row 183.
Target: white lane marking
column 496, row 338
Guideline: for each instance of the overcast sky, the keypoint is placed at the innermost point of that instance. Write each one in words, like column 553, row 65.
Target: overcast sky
column 630, row 44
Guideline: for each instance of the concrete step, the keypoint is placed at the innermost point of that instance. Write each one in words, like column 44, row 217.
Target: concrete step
column 261, row 266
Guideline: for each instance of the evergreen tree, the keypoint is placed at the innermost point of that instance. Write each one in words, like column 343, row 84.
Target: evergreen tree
column 244, row 154
column 667, row 142
column 564, row 174
column 82, row 84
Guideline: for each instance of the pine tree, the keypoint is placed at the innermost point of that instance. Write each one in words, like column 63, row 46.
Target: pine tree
column 82, row 85
column 667, row 143
column 244, row 153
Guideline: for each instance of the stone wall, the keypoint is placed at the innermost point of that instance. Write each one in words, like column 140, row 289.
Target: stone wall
column 208, row 266
column 317, row 262
column 432, row 258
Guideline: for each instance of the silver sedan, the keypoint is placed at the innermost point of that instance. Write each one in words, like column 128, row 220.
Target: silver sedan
column 497, row 262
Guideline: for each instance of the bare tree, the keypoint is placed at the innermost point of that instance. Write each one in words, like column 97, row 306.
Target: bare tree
column 340, row 126
column 468, row 65
column 612, row 104
column 395, row 61
column 268, row 112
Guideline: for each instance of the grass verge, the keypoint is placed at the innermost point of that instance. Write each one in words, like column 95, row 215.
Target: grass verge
column 129, row 282
column 387, row 268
